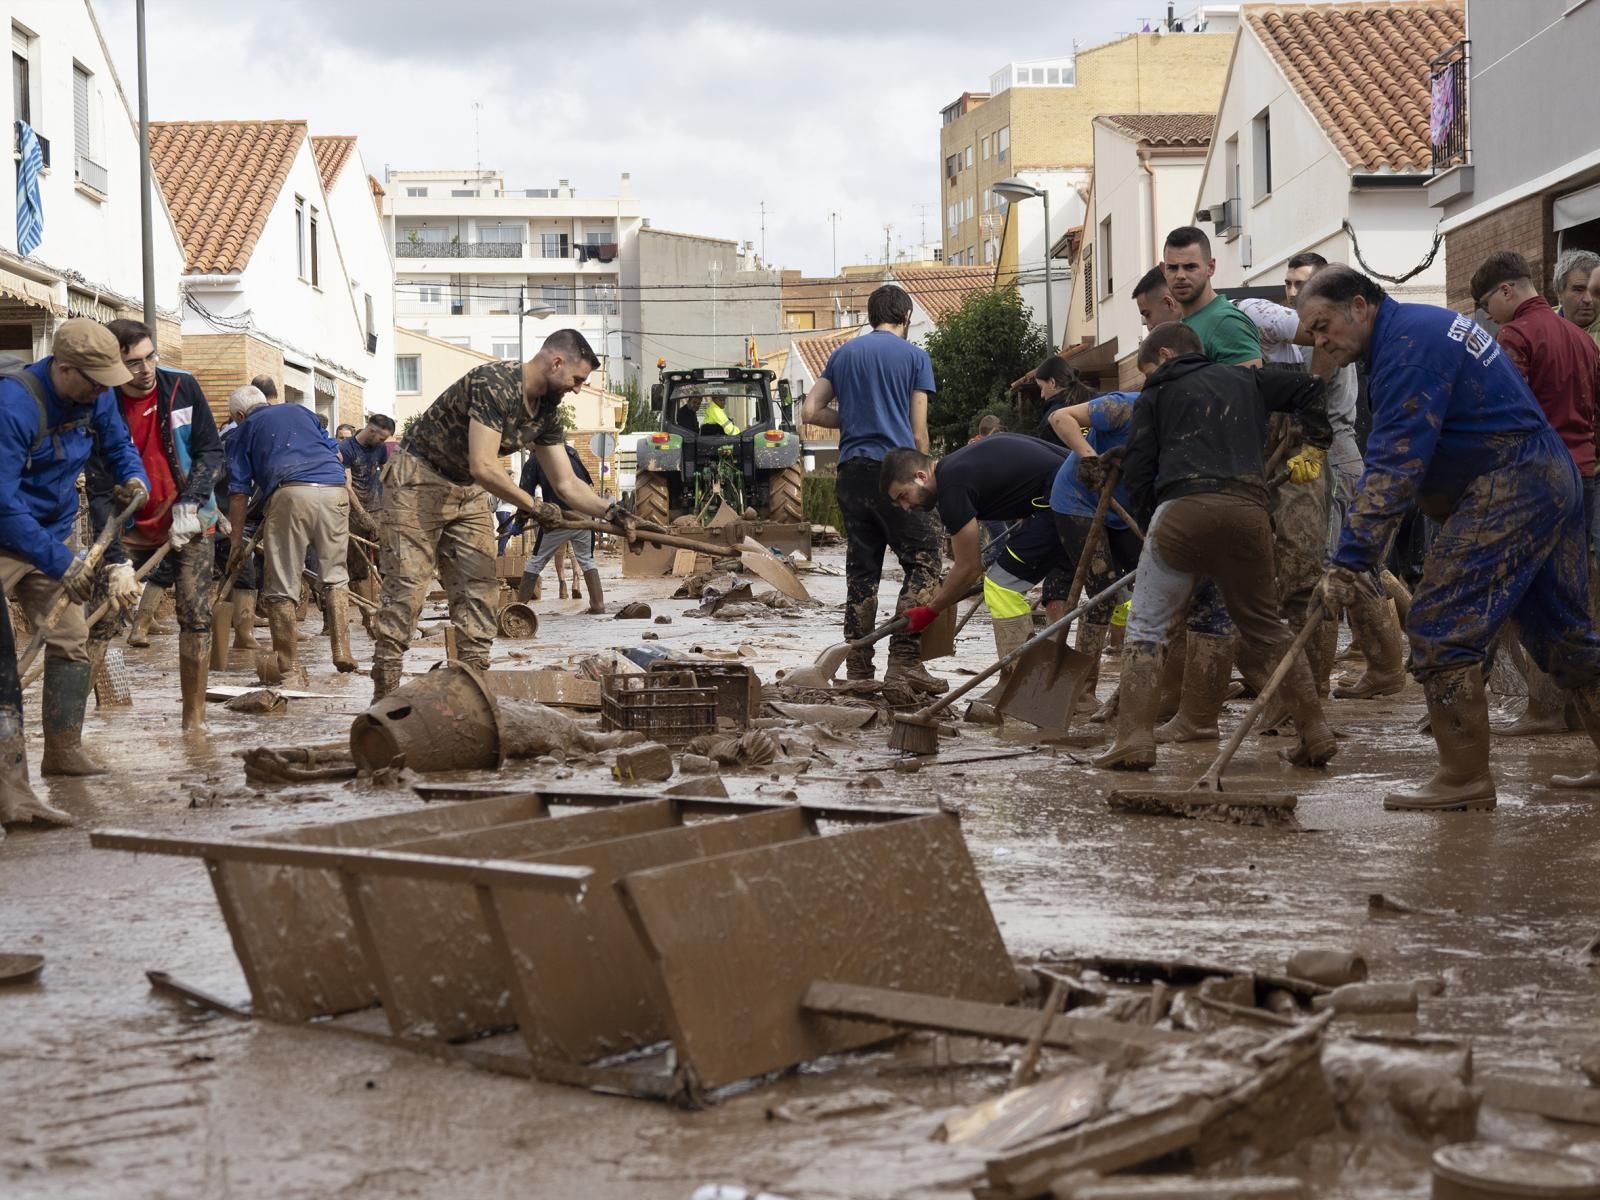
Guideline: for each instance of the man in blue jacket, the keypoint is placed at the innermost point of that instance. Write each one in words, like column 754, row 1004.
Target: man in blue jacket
column 170, row 425
column 1457, row 433
column 53, row 416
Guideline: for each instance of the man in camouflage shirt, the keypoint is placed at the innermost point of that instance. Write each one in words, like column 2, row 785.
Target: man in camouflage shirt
column 437, row 513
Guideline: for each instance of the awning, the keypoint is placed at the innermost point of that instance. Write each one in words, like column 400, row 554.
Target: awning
column 297, row 378
column 28, row 291
column 1577, row 208
column 81, row 304
column 324, row 385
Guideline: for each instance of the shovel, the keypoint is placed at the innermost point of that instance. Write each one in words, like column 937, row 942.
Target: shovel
column 820, row 673
column 96, row 552
column 1043, row 687
column 918, row 732
column 758, row 560
column 222, row 608
column 1207, row 790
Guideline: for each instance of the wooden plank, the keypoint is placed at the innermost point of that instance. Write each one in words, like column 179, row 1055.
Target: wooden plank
column 582, row 986
column 1103, row 1147
column 1564, row 1103
column 441, row 976
column 738, row 939
column 1088, row 1037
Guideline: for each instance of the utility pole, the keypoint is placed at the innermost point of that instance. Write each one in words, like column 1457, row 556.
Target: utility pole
column 763, row 232
column 888, row 256
column 522, row 307
column 477, row 141
column 834, row 218
column 716, row 270
column 922, row 225
column 146, row 234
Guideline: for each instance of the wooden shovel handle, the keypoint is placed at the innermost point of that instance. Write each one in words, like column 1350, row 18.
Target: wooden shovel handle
column 96, row 552
column 714, row 549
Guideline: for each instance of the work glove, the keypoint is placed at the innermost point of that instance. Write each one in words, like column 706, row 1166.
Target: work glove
column 185, row 525
column 224, row 526
column 1306, row 467
column 122, row 588
column 78, row 579
column 1092, row 471
column 545, row 516
column 129, row 490
column 919, row 618
column 1339, row 587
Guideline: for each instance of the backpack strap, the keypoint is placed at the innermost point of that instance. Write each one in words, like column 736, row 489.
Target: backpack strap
column 48, row 431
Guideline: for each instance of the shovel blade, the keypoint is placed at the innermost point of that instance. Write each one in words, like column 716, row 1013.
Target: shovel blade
column 939, row 639
column 1044, row 683
column 762, row 563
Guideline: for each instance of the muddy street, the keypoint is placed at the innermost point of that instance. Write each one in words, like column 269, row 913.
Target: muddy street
column 116, row 1090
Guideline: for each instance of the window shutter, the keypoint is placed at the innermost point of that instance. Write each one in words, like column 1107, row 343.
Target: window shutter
column 80, row 111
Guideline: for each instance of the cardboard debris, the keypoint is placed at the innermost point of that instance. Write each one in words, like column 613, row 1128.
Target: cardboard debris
column 258, row 700
column 224, row 691
column 838, row 716
column 552, row 686
column 1028, row 1112
column 1563, row 1102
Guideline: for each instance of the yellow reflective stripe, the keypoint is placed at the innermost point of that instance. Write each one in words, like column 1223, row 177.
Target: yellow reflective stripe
column 1002, row 602
column 1119, row 615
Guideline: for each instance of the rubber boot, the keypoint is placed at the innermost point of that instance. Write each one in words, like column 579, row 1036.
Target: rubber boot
column 1009, row 633
column 1092, row 643
column 1587, row 702
column 1206, row 671
column 1172, row 673
column 597, row 596
column 1135, row 747
column 244, row 621
column 324, row 603
column 1374, row 622
column 1298, row 694
column 1458, row 713
column 279, row 665
column 385, row 678
column 66, row 695
column 908, row 669
column 367, row 589
column 1397, row 591
column 527, row 587
column 194, row 666
column 339, row 629
column 1546, row 711
column 18, row 802
column 144, row 617
column 1108, row 710
column 1319, row 654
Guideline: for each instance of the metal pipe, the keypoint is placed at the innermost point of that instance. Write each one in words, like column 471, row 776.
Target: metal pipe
column 1049, row 280
column 146, row 217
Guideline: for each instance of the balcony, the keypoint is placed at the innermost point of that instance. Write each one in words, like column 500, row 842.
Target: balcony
column 91, row 174
column 405, row 248
column 16, row 143
column 1447, row 108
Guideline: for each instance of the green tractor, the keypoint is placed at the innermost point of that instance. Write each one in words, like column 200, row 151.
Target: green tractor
column 724, row 438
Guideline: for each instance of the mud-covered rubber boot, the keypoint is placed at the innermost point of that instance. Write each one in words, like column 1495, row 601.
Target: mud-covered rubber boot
column 1373, row 620
column 1009, row 633
column 1092, row 644
column 1135, row 746
column 339, row 630
column 1172, row 667
column 1587, row 702
column 1206, row 671
column 194, row 669
column 385, row 678
column 1324, row 644
column 1546, row 711
column 597, row 595
column 1107, row 711
column 244, row 621
column 909, row 669
column 1397, row 591
column 1458, row 714
column 18, row 802
column 1316, row 745
column 527, row 586
column 280, row 666
column 144, row 617
column 66, row 695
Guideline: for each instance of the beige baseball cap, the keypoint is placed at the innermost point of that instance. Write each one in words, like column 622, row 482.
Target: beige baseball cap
column 93, row 349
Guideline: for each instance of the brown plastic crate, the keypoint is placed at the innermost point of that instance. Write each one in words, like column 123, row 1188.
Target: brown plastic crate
column 738, row 689
column 669, row 707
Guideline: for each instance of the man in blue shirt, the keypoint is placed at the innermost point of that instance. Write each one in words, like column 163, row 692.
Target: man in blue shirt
column 364, row 454
column 875, row 391
column 1457, row 433
column 53, row 416
column 281, row 452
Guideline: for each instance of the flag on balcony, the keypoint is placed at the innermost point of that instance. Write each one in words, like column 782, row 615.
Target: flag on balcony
column 30, row 211
column 1442, row 104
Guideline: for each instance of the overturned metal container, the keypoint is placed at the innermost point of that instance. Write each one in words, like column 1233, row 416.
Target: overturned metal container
column 445, row 720
column 518, row 622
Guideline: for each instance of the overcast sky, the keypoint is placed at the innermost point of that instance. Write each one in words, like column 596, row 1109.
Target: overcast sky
column 713, row 107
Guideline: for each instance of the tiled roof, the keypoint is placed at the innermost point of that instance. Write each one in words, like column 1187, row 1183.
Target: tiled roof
column 1165, row 129
column 221, row 179
column 332, row 153
column 942, row 290
column 816, row 347
column 377, row 193
column 1362, row 70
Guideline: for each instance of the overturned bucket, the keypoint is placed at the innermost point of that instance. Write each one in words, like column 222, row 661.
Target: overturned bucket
column 517, row 621
column 445, row 720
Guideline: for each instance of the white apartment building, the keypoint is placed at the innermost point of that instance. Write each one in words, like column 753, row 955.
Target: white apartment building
column 469, row 249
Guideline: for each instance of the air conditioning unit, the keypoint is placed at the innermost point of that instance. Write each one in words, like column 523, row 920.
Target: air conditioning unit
column 1226, row 216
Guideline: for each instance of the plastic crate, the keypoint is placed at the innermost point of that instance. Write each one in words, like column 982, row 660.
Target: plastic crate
column 669, row 707
column 737, row 688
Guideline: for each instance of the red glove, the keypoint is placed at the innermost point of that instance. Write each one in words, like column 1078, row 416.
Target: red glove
column 919, row 618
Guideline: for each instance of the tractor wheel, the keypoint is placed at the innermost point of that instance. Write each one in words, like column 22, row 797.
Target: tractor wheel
column 784, row 503
column 651, row 498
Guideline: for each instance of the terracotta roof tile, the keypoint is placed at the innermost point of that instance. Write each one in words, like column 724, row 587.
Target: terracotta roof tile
column 1164, row 129
column 1362, row 70
column 942, row 290
column 816, row 347
column 221, row 179
column 332, row 153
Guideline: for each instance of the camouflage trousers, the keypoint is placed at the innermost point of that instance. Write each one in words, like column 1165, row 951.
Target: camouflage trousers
column 35, row 593
column 1300, row 537
column 187, row 571
column 872, row 525
column 432, row 525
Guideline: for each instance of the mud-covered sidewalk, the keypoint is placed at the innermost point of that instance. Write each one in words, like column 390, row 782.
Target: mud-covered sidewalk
column 113, row 1090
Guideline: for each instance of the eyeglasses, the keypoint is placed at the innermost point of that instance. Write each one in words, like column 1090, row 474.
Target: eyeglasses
column 149, row 360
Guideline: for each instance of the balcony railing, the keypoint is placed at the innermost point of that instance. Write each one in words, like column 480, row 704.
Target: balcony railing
column 16, row 142
column 91, row 174
column 405, row 248
column 1447, row 107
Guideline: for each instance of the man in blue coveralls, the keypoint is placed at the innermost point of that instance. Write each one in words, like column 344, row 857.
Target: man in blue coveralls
column 53, row 416
column 1457, row 433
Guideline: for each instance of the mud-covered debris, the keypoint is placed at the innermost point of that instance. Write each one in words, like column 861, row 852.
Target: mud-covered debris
column 980, row 712
column 272, row 765
column 637, row 611
column 698, row 764
column 694, row 587
column 705, row 786
column 608, row 662
column 1369, row 999
column 1589, row 1063
column 1406, row 1089
column 1190, row 1187
column 648, row 763
column 714, row 599
column 258, row 701
column 1027, row 1112
column 1331, row 968
column 1563, row 1102
column 1381, row 905
column 870, row 783
column 753, row 749
column 854, row 1102
column 663, row 619
column 835, row 716
column 529, row 729
column 650, row 637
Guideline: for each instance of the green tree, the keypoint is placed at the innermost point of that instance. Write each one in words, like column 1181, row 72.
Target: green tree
column 640, row 418
column 977, row 351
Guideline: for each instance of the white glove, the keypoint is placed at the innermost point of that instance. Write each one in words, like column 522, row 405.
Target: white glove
column 224, row 526
column 121, row 586
column 185, row 525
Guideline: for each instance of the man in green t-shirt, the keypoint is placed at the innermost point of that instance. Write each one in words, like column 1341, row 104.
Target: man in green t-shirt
column 1226, row 333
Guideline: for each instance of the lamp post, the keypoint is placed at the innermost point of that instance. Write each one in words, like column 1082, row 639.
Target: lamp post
column 1012, row 190
column 538, row 310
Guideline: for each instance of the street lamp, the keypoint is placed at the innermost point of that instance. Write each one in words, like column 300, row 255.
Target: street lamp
column 1014, row 189
column 525, row 310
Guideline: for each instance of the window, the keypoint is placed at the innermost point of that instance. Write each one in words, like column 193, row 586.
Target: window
column 600, row 300
column 951, row 220
column 988, row 251
column 312, row 223
column 372, row 324
column 464, row 192
column 1088, row 281
column 515, row 234
column 985, row 204
column 1038, row 75
column 430, row 293
column 407, row 372
column 80, row 111
column 557, row 297
column 1261, row 150
column 302, row 266
column 952, row 164
column 984, row 144
column 969, row 156
column 971, row 208
column 21, row 77
column 416, row 192
column 1105, row 258
column 554, row 245
column 1052, row 75
column 1002, row 141
column 505, row 349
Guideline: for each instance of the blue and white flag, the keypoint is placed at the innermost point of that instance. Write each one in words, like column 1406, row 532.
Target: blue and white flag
column 30, row 210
